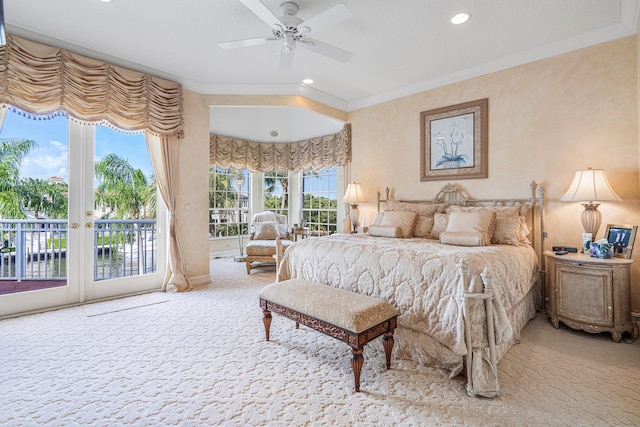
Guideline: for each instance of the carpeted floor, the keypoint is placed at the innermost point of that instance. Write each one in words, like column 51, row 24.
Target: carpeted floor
column 200, row 359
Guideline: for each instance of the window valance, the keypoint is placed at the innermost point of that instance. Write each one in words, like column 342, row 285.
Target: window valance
column 315, row 153
column 41, row 80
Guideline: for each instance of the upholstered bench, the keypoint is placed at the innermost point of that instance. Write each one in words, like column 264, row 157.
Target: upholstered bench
column 347, row 316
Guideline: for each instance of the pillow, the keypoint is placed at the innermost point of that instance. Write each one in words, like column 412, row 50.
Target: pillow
column 266, row 230
column 385, row 231
column 378, row 218
column 405, row 220
column 524, row 233
column 503, row 213
column 424, row 225
column 461, row 238
column 439, row 225
column 507, row 230
column 421, row 208
column 500, row 211
column 472, row 222
column 283, row 230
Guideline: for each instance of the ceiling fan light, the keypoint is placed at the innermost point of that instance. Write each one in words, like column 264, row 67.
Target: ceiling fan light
column 289, row 42
column 460, row 18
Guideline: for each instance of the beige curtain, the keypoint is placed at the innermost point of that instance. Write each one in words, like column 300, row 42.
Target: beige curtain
column 44, row 80
column 312, row 154
column 164, row 158
column 41, row 80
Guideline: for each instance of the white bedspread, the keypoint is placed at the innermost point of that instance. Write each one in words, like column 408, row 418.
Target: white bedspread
column 419, row 277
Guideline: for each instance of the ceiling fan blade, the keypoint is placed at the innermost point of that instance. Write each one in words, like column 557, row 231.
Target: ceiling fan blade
column 326, row 19
column 286, row 60
column 327, row 50
column 246, row 42
column 257, row 7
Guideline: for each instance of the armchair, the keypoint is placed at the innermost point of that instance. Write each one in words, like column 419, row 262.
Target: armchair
column 266, row 228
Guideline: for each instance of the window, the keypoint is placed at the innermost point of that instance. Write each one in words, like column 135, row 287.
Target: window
column 319, row 200
column 276, row 192
column 228, row 202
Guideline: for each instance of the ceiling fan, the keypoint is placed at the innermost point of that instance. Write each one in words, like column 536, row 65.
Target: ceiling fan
column 291, row 30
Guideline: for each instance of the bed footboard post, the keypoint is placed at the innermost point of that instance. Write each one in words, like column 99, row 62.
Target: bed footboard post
column 491, row 333
column 464, row 277
column 487, row 296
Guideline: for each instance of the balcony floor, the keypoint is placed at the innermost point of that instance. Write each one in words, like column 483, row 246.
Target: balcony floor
column 12, row 287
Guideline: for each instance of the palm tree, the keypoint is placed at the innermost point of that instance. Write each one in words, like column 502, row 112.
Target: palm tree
column 271, row 180
column 12, row 153
column 44, row 196
column 122, row 188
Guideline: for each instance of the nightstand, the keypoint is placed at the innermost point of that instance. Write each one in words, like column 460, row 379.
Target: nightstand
column 589, row 293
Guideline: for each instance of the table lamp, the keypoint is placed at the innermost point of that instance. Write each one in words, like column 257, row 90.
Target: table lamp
column 590, row 185
column 353, row 196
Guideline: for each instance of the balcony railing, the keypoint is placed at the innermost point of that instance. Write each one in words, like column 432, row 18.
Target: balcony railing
column 37, row 249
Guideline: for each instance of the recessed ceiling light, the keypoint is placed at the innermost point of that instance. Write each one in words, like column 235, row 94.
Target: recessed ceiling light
column 460, row 18
column 307, row 81
column 105, row 1
column 274, row 133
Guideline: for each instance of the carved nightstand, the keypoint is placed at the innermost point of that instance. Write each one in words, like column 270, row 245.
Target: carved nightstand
column 589, row 293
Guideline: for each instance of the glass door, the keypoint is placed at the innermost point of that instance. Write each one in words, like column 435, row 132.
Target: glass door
column 66, row 237
column 128, row 237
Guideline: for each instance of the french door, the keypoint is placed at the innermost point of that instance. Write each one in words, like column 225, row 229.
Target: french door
column 97, row 258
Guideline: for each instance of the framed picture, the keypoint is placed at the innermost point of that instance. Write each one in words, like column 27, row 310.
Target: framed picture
column 453, row 141
column 621, row 238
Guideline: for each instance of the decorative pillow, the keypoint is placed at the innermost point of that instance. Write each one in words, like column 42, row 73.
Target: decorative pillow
column 524, row 233
column 507, row 230
column 472, row 222
column 385, row 231
column 500, row 211
column 378, row 218
column 461, row 238
column 439, row 225
column 503, row 213
column 266, row 230
column 283, row 230
column 424, row 225
column 425, row 209
column 405, row 220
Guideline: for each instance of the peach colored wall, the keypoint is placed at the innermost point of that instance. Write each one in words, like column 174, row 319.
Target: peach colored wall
column 546, row 120
column 193, row 192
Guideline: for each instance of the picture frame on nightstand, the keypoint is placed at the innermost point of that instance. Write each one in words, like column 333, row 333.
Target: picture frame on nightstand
column 621, row 237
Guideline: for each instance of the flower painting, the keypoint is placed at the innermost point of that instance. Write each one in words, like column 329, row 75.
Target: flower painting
column 454, row 136
column 454, row 141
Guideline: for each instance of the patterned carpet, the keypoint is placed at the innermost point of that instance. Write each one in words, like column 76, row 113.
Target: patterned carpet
column 200, row 359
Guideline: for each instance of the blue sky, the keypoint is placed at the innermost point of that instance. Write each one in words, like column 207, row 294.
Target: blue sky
column 51, row 156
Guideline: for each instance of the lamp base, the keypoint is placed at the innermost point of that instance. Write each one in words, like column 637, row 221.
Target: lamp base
column 240, row 258
column 591, row 218
column 354, row 214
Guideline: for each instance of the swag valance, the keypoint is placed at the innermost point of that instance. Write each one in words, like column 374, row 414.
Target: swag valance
column 315, row 153
column 41, row 80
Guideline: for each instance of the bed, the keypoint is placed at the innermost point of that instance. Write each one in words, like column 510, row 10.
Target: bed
column 463, row 296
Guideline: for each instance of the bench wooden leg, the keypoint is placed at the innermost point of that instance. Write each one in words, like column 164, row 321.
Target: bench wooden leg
column 266, row 319
column 387, row 342
column 357, row 360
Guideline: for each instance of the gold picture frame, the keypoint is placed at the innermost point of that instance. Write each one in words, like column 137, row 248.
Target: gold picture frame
column 621, row 237
column 454, row 141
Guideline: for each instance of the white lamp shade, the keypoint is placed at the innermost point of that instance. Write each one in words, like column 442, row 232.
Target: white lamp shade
column 354, row 194
column 589, row 185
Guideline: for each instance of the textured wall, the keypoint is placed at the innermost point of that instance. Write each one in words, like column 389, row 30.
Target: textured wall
column 192, row 210
column 546, row 120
